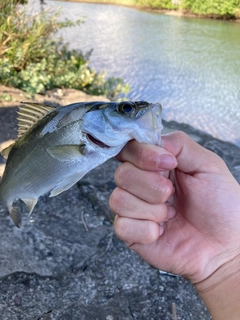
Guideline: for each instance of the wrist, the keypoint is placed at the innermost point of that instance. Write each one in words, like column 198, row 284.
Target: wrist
column 221, row 291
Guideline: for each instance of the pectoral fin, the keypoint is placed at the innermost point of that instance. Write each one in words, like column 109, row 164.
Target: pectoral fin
column 66, row 152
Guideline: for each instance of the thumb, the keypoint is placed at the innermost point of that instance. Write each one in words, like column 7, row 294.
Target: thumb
column 190, row 155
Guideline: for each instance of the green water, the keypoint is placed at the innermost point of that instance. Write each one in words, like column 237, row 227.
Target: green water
column 192, row 66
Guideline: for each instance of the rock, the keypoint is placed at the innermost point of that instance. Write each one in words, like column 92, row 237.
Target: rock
column 54, row 269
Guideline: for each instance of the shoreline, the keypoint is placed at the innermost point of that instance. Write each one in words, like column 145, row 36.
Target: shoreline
column 177, row 13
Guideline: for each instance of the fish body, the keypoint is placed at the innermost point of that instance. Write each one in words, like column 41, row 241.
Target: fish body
column 56, row 147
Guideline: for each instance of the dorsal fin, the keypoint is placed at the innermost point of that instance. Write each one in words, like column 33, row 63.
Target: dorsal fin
column 30, row 113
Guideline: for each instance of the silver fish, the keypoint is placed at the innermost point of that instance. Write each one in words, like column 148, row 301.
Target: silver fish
column 56, row 147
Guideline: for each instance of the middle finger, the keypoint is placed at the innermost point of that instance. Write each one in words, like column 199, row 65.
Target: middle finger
column 146, row 185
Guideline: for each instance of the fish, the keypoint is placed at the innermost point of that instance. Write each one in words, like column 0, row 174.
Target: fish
column 57, row 146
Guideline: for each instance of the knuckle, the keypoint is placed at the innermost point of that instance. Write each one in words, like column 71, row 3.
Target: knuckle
column 116, row 200
column 147, row 158
column 181, row 135
column 120, row 228
column 119, row 174
column 168, row 190
column 217, row 164
column 159, row 213
column 141, row 232
column 162, row 189
column 123, row 174
column 152, row 233
column 157, row 184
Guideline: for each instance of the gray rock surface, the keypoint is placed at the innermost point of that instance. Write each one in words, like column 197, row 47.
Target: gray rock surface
column 69, row 265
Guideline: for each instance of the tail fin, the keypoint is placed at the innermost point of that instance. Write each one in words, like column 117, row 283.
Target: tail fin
column 15, row 215
column 1, row 197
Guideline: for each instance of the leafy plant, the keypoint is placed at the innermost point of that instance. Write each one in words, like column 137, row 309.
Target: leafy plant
column 31, row 59
column 221, row 8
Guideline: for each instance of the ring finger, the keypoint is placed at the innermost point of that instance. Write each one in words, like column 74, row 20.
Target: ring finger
column 124, row 204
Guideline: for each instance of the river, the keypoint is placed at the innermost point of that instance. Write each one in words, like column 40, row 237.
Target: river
column 191, row 66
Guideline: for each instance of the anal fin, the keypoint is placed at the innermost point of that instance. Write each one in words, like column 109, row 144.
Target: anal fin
column 30, row 204
column 66, row 184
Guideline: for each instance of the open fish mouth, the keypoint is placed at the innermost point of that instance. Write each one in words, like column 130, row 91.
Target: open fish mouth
column 97, row 142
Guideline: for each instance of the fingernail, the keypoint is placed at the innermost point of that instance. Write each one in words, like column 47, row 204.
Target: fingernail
column 167, row 162
column 171, row 211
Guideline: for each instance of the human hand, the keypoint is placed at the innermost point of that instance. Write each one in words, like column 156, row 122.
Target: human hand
column 200, row 231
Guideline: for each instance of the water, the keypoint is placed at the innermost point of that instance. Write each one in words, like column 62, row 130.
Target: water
column 191, row 66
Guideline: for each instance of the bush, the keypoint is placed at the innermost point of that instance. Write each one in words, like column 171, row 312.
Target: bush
column 219, row 8
column 32, row 60
column 154, row 4
column 223, row 8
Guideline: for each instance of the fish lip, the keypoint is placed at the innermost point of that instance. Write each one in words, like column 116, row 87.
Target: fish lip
column 97, row 142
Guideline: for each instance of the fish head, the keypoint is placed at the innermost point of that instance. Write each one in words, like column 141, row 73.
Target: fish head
column 112, row 125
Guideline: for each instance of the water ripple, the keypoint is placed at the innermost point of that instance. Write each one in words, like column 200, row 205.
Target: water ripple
column 192, row 66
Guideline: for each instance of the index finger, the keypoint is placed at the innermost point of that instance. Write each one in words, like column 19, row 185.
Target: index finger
column 147, row 157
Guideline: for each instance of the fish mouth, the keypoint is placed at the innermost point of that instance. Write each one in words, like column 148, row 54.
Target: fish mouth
column 97, row 142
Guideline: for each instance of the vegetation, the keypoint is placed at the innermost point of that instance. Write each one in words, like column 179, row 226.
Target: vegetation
column 218, row 8
column 118, row 2
column 158, row 4
column 221, row 8
column 228, row 9
column 34, row 60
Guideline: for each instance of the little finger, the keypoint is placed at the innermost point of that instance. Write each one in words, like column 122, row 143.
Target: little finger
column 137, row 231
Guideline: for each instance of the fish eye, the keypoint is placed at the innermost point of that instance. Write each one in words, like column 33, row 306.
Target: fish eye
column 126, row 108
